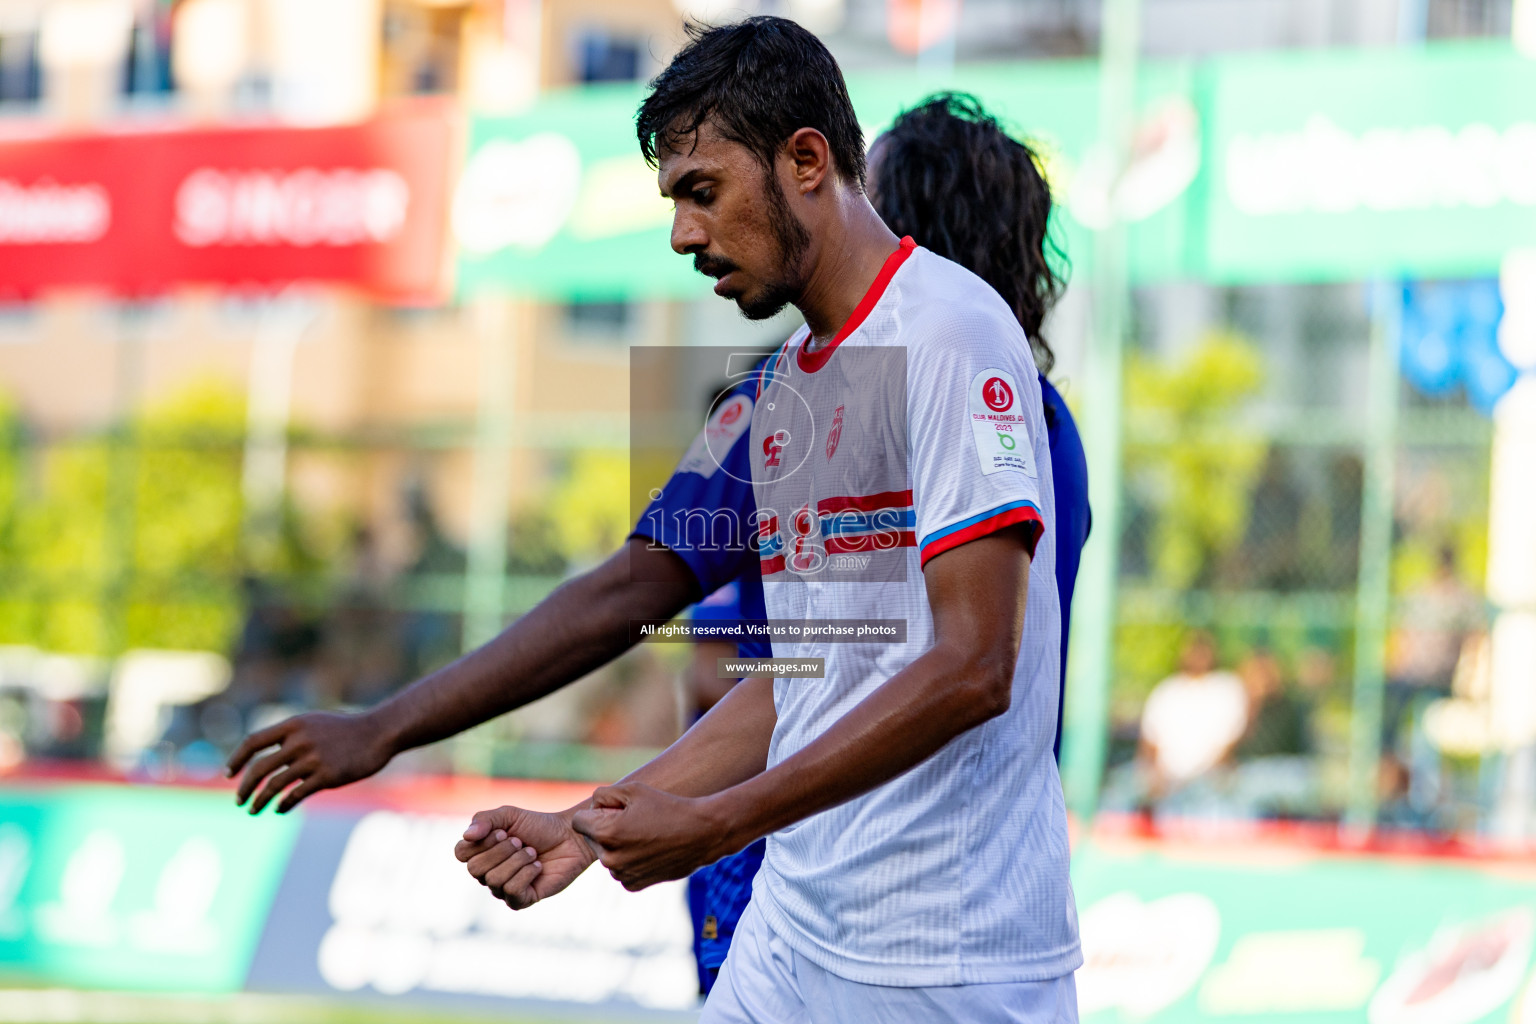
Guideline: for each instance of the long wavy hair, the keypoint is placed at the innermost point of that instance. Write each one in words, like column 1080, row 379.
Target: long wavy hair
column 953, row 179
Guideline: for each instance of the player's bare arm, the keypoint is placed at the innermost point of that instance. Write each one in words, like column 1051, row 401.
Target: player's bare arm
column 727, row 746
column 977, row 594
column 583, row 625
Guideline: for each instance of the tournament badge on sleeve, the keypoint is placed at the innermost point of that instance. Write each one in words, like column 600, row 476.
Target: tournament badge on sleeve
column 997, row 421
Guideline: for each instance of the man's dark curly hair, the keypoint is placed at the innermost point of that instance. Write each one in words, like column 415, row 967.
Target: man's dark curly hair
column 950, row 177
column 759, row 81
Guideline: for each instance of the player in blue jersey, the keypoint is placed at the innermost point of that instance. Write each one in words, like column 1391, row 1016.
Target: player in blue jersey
column 950, row 177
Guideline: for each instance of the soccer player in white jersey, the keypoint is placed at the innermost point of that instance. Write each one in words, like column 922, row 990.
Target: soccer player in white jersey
column 917, row 855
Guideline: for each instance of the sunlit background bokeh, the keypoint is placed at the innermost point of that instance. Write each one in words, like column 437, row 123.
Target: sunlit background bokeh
column 315, row 334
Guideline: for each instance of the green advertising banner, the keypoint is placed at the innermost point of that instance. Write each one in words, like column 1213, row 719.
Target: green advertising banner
column 138, row 888
column 174, row 890
column 1346, row 165
column 558, row 203
column 1296, row 166
column 1178, row 933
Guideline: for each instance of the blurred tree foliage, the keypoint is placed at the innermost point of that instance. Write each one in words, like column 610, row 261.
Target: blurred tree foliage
column 127, row 539
column 1178, row 449
column 1193, row 479
column 186, row 558
column 589, row 506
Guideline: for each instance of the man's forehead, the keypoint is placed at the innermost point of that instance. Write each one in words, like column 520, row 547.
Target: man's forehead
column 704, row 150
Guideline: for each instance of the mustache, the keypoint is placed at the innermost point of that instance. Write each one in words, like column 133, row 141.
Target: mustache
column 713, row 266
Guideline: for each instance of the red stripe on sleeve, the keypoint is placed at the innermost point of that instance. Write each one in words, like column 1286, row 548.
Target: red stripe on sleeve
column 1022, row 514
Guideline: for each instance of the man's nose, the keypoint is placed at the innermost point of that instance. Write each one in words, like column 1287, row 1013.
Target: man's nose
column 688, row 235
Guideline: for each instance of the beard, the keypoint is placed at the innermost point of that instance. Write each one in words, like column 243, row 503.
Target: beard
column 792, row 241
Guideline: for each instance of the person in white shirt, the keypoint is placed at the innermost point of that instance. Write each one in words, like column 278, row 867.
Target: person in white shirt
column 1192, row 719
column 917, row 856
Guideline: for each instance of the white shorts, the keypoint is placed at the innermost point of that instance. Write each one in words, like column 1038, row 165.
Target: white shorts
column 764, row 981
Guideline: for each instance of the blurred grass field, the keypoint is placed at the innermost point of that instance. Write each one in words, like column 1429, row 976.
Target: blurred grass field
column 74, row 1006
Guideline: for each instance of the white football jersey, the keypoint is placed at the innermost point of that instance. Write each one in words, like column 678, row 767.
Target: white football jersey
column 918, row 428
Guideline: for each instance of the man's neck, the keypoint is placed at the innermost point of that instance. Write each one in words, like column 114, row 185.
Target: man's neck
column 849, row 257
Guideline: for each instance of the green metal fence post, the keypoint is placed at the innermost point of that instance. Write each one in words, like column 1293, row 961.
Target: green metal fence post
column 1374, row 592
column 485, row 573
column 1091, row 661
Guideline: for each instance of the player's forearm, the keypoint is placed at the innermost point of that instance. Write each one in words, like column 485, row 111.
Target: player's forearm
column 727, row 746
column 911, row 717
column 584, row 624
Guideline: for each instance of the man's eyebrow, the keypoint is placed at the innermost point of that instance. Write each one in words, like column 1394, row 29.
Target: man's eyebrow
column 683, row 182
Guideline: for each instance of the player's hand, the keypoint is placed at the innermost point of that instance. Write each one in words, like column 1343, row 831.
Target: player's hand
column 315, row 751
column 524, row 856
column 649, row 836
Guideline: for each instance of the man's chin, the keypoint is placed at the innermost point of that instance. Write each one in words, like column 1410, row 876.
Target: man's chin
column 763, row 306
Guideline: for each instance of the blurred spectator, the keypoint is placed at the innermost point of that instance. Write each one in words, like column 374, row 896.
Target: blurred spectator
column 705, row 687
column 1346, row 482
column 431, row 639
column 274, row 657
column 1397, row 805
column 1192, row 720
column 1278, row 775
column 361, row 650
column 1269, row 557
column 1436, row 622
column 1278, row 719
column 635, row 705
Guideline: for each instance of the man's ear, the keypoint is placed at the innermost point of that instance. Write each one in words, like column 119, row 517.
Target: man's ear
column 811, row 157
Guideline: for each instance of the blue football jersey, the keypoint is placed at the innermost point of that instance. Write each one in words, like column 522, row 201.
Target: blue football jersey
column 1074, row 519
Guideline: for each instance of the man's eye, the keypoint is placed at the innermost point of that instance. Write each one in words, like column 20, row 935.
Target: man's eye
column 703, row 195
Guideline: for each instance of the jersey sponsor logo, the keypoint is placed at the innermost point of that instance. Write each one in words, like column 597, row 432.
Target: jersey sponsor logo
column 997, row 394
column 836, row 433
column 998, row 424
column 773, row 447
column 709, row 449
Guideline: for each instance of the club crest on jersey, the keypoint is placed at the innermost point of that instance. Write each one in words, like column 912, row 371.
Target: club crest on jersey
column 998, row 424
column 836, row 433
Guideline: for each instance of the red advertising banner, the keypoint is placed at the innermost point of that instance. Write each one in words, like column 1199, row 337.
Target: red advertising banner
column 139, row 212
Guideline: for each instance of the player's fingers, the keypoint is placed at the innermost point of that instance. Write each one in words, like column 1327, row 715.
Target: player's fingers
column 504, row 875
column 275, row 785
column 521, row 899
column 481, row 863
column 522, row 881
column 486, row 822
column 256, row 741
column 596, row 825
column 611, row 797
column 260, row 770
column 299, row 792
column 464, row 850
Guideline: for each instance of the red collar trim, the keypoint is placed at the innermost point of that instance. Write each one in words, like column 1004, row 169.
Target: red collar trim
column 810, row 362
